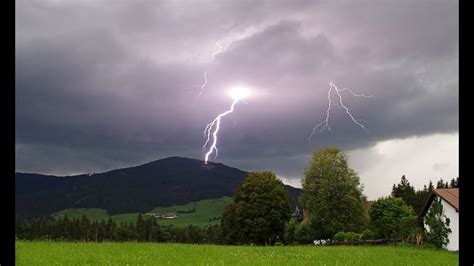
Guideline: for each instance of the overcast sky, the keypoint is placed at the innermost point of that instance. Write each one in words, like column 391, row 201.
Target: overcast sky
column 108, row 84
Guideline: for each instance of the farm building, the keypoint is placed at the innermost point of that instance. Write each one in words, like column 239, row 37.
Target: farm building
column 450, row 201
column 170, row 215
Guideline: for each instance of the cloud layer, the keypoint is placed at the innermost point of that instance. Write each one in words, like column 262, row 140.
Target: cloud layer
column 105, row 84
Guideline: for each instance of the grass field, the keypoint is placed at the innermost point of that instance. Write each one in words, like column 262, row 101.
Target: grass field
column 205, row 209
column 62, row 253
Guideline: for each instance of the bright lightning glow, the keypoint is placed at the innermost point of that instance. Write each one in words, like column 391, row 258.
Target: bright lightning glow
column 338, row 91
column 237, row 93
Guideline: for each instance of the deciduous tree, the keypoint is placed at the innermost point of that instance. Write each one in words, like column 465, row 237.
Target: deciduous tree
column 333, row 194
column 262, row 208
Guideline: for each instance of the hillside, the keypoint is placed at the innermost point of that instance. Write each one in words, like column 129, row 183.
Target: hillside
column 206, row 212
column 161, row 183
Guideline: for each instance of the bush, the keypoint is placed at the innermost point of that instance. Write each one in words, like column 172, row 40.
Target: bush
column 278, row 243
column 385, row 215
column 303, row 233
column 367, row 235
column 409, row 227
column 340, row 236
column 352, row 237
column 356, row 237
column 289, row 235
column 347, row 237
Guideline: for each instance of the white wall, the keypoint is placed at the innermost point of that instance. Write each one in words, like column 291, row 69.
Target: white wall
column 453, row 216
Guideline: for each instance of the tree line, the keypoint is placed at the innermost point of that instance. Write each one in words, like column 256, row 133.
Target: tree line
column 146, row 229
column 417, row 198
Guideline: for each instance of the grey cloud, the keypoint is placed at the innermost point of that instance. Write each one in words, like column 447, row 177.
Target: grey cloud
column 110, row 84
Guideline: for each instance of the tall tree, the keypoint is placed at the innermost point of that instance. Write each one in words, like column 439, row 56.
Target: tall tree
column 440, row 183
column 333, row 194
column 454, row 182
column 405, row 191
column 262, row 209
column 430, row 186
column 420, row 198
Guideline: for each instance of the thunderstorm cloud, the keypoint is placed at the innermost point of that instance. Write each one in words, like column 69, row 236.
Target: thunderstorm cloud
column 108, row 84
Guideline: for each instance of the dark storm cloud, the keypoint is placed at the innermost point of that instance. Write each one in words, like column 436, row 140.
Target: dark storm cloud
column 106, row 84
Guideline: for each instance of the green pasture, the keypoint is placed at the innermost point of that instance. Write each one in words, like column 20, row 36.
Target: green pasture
column 207, row 212
column 131, row 253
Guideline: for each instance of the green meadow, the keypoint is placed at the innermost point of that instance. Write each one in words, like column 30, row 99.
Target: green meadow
column 207, row 212
column 130, row 253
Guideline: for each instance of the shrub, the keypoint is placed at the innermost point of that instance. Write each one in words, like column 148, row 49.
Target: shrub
column 347, row 237
column 385, row 215
column 289, row 235
column 367, row 235
column 352, row 236
column 340, row 236
column 356, row 237
column 408, row 227
column 303, row 233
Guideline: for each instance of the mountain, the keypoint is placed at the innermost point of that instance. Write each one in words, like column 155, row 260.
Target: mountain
column 161, row 183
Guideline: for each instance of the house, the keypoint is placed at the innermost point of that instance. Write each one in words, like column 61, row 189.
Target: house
column 170, row 215
column 450, row 201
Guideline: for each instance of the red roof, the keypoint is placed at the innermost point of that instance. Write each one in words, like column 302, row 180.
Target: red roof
column 450, row 195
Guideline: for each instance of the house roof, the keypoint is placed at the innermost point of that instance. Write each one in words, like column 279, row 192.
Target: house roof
column 450, row 195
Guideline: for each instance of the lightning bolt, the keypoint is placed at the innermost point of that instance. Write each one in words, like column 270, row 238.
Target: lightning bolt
column 212, row 129
column 325, row 123
column 203, row 85
column 205, row 73
column 216, row 52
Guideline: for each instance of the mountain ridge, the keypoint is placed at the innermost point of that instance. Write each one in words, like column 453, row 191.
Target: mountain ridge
column 159, row 183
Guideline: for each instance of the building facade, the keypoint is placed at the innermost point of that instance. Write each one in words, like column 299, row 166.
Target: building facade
column 450, row 201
